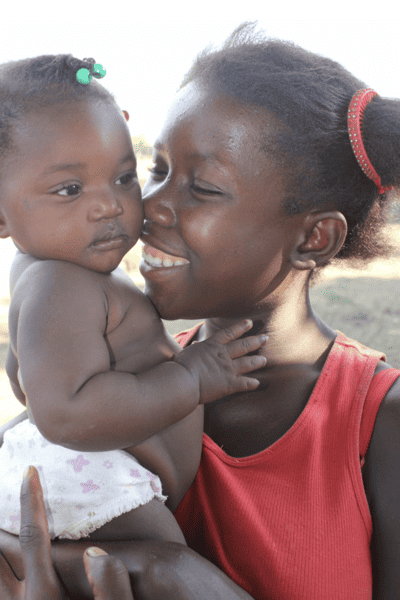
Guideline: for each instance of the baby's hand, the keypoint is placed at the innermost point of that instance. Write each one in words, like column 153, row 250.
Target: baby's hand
column 219, row 362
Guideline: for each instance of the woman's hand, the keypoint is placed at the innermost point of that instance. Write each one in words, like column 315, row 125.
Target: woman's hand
column 107, row 575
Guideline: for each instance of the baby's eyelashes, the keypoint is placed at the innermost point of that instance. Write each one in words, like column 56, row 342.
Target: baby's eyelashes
column 127, row 178
column 69, row 190
column 74, row 189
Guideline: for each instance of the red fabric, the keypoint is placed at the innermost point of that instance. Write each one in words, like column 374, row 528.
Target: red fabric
column 292, row 522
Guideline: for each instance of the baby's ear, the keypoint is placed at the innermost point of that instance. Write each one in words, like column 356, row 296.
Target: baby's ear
column 319, row 240
column 4, row 230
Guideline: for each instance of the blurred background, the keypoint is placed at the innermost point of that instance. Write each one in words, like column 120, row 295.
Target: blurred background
column 146, row 50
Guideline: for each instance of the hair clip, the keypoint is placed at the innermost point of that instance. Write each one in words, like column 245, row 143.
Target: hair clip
column 126, row 114
column 85, row 75
column 355, row 116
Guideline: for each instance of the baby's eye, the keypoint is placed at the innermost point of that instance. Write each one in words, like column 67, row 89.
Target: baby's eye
column 69, row 190
column 126, row 179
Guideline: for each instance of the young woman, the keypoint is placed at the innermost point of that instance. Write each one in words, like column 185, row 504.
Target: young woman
column 262, row 175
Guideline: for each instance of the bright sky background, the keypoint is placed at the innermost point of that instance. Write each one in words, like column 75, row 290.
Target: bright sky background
column 147, row 47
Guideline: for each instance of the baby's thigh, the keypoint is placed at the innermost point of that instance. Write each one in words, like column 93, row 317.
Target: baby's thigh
column 151, row 521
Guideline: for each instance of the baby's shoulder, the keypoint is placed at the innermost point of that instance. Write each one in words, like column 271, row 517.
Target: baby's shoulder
column 46, row 280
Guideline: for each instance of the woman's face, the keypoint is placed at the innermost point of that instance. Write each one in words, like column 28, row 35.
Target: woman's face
column 213, row 199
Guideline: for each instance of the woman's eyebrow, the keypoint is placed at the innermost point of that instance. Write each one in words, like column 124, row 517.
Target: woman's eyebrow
column 203, row 156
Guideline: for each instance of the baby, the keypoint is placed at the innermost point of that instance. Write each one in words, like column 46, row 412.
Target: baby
column 113, row 402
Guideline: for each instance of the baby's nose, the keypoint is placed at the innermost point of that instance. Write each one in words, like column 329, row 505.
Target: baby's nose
column 105, row 207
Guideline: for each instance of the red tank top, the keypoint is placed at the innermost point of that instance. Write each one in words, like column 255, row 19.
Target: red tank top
column 292, row 522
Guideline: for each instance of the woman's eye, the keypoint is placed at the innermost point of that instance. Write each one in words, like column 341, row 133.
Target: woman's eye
column 69, row 190
column 157, row 172
column 126, row 179
column 204, row 191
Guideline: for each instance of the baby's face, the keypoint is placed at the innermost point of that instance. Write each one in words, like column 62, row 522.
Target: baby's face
column 69, row 191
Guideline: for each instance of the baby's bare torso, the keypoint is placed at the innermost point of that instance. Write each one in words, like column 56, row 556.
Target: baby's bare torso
column 136, row 340
column 135, row 336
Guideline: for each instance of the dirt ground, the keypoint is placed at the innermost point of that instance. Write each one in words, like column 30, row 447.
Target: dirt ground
column 364, row 305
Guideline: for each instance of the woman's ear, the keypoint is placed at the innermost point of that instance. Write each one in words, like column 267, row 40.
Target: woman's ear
column 321, row 236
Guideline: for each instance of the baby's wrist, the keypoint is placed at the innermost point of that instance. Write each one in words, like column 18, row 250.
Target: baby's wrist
column 190, row 375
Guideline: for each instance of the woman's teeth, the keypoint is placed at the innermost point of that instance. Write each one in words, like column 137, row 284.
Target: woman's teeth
column 164, row 260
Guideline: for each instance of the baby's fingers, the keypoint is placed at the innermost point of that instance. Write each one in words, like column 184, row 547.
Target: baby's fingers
column 245, row 345
column 246, row 364
column 229, row 334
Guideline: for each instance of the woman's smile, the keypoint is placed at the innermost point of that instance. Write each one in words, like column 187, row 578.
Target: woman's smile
column 156, row 258
column 212, row 232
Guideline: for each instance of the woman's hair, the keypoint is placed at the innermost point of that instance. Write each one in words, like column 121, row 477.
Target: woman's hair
column 35, row 83
column 308, row 97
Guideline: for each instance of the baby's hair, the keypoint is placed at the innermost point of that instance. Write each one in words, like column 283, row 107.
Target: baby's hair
column 35, row 83
column 308, row 97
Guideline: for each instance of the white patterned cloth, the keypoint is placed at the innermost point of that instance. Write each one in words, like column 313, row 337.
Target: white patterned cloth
column 82, row 490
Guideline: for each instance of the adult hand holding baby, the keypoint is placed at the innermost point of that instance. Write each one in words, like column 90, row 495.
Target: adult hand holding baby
column 107, row 575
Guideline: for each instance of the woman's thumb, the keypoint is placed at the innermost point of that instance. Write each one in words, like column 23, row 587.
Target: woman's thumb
column 107, row 575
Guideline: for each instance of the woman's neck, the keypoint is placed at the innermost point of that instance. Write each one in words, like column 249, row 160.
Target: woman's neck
column 296, row 334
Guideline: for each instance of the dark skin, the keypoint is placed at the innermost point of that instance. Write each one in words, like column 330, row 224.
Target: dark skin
column 228, row 212
column 107, row 575
column 104, row 373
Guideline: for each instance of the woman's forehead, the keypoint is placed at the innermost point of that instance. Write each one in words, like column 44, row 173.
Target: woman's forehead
column 205, row 117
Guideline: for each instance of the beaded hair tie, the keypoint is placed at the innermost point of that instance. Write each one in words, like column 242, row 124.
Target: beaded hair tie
column 354, row 121
column 84, row 75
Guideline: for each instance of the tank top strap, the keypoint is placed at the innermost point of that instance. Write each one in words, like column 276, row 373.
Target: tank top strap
column 185, row 337
column 379, row 387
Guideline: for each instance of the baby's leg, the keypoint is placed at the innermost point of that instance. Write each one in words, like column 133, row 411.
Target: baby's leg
column 151, row 521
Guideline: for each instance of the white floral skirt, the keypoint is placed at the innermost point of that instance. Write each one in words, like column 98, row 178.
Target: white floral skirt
column 82, row 490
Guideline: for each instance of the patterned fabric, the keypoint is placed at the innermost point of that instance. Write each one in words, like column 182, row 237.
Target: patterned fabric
column 82, row 490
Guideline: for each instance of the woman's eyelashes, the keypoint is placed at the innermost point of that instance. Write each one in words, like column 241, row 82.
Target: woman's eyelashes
column 206, row 191
column 159, row 174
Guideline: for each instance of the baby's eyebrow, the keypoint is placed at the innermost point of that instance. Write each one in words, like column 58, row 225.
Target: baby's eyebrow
column 64, row 167
column 79, row 165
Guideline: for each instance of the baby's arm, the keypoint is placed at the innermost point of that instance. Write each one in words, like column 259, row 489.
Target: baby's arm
column 76, row 400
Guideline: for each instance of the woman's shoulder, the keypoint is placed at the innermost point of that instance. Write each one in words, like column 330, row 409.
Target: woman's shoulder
column 391, row 400
column 381, row 476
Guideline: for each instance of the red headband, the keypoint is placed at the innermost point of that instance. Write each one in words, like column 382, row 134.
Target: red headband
column 354, row 121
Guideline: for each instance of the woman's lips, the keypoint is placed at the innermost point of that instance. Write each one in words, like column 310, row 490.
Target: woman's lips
column 158, row 259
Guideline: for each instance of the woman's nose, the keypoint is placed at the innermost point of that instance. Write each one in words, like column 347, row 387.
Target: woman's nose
column 158, row 208
column 105, row 206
